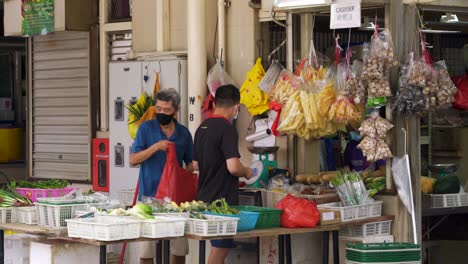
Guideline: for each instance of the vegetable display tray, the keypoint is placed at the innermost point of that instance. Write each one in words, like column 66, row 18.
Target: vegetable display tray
column 382, row 228
column 213, row 225
column 33, row 194
column 27, row 215
column 383, row 252
column 267, row 218
column 8, row 215
column 449, row 200
column 104, row 229
column 247, row 220
column 54, row 216
column 356, row 212
column 163, row 227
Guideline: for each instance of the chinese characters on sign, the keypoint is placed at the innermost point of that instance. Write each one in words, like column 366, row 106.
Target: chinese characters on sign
column 345, row 14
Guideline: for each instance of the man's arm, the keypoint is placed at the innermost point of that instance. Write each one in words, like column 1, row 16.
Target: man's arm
column 139, row 157
column 236, row 168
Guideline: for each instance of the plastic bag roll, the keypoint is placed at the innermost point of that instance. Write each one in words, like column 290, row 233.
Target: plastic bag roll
column 259, row 135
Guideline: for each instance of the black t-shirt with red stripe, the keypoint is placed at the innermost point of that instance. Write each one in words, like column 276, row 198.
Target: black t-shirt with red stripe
column 215, row 142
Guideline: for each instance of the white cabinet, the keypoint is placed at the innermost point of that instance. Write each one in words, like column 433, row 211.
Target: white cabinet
column 125, row 86
column 127, row 80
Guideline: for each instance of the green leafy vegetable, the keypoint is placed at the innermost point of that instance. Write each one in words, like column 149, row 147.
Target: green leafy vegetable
column 220, row 206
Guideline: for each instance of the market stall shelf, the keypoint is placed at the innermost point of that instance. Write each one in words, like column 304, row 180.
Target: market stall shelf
column 282, row 233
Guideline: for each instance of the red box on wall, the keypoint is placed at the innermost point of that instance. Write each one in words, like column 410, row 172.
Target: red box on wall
column 101, row 164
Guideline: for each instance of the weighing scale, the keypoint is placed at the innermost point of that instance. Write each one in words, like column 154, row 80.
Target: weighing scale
column 261, row 143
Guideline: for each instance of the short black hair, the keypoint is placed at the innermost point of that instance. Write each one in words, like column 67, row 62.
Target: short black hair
column 227, row 95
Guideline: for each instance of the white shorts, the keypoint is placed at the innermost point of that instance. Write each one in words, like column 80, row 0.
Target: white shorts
column 179, row 247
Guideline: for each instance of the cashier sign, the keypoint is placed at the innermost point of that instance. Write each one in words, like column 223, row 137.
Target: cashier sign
column 345, row 14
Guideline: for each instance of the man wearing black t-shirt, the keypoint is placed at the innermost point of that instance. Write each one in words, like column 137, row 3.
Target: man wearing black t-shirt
column 216, row 155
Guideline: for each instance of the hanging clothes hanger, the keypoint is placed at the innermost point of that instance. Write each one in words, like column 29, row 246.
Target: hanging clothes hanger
column 276, row 51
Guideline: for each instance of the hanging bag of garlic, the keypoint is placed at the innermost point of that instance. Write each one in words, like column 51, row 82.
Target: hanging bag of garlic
column 378, row 61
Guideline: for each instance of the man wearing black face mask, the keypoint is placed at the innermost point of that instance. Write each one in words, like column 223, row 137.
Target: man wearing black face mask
column 149, row 148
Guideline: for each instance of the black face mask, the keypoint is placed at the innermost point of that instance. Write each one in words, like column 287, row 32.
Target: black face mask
column 164, row 119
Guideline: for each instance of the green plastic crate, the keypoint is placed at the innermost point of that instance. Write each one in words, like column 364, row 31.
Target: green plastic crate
column 383, row 252
column 268, row 217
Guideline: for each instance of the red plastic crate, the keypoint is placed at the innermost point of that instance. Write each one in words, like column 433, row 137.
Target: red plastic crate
column 33, row 194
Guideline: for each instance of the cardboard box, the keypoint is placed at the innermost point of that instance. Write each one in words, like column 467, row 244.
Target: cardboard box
column 329, row 217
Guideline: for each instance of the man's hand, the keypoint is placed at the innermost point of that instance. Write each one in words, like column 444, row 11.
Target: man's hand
column 248, row 173
column 161, row 145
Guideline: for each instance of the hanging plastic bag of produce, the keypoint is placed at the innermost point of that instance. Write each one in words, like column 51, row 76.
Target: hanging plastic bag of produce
column 298, row 213
column 354, row 87
column 292, row 115
column 286, row 85
column 374, row 130
column 313, row 67
column 447, row 89
column 176, row 182
column 271, row 76
column 252, row 97
column 217, row 76
column 342, row 109
column 377, row 64
column 410, row 98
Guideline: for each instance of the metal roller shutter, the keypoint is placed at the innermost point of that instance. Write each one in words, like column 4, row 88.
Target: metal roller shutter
column 60, row 106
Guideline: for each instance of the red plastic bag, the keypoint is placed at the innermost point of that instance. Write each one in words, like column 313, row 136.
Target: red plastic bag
column 207, row 107
column 176, row 182
column 277, row 108
column 461, row 97
column 298, row 212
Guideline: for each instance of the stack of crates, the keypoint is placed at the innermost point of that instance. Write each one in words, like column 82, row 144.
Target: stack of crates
column 374, row 232
column 388, row 253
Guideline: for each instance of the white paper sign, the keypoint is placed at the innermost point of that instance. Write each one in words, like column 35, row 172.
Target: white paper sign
column 345, row 14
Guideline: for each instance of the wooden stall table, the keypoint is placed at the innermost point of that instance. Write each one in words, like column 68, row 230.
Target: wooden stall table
column 284, row 239
column 44, row 233
column 283, row 234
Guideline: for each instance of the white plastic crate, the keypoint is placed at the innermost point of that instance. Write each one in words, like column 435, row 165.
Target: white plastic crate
column 213, row 226
column 126, row 196
column 104, row 229
column 184, row 215
column 16, row 249
column 54, row 216
column 8, row 215
column 356, row 212
column 449, row 200
column 163, row 227
column 27, row 215
column 382, row 228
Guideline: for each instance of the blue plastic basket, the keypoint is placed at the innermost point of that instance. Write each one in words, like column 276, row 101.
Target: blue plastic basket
column 247, row 220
